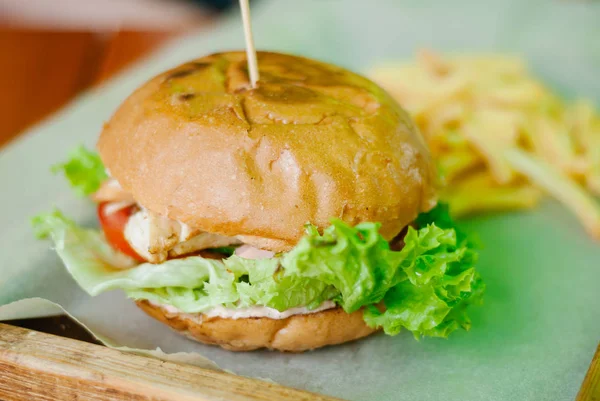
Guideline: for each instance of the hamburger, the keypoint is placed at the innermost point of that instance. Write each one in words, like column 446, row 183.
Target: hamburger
column 290, row 216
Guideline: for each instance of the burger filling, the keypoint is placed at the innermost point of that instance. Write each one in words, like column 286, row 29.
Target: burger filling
column 156, row 238
column 422, row 281
column 247, row 312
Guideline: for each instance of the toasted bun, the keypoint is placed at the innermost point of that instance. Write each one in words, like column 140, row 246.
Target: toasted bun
column 311, row 142
column 296, row 333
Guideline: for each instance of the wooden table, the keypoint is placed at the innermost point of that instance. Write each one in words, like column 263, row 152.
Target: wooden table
column 41, row 70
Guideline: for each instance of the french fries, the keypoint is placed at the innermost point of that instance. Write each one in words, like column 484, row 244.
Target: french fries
column 499, row 136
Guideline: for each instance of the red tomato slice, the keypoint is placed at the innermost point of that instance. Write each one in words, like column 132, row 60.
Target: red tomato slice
column 113, row 225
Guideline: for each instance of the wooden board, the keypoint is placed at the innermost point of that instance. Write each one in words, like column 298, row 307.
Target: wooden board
column 39, row 366
column 590, row 389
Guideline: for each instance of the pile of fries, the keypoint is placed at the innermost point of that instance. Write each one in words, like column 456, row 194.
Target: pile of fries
column 501, row 139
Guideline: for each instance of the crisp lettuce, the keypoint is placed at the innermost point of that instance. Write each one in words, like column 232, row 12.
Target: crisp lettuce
column 437, row 280
column 424, row 288
column 441, row 280
column 357, row 261
column 84, row 170
column 192, row 284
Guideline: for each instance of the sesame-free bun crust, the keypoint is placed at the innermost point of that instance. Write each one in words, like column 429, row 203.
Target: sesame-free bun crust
column 296, row 333
column 311, row 142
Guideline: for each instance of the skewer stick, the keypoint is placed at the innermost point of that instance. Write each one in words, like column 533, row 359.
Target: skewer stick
column 250, row 50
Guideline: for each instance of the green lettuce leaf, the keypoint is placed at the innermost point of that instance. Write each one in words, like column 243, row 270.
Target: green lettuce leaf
column 84, row 170
column 425, row 288
column 440, row 280
column 192, row 284
column 357, row 261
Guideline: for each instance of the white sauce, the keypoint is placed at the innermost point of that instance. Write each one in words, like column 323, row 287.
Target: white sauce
column 201, row 241
column 250, row 252
column 252, row 311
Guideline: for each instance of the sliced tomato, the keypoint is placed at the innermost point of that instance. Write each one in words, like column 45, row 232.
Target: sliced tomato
column 113, row 225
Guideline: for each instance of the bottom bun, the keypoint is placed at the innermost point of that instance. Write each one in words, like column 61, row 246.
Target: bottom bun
column 296, row 333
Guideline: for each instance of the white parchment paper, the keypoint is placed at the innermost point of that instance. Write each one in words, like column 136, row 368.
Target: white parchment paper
column 536, row 334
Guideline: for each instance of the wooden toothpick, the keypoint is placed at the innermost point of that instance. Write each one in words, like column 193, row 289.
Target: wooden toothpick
column 250, row 50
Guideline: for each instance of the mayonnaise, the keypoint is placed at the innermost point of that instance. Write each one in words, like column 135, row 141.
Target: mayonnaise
column 248, row 312
column 250, row 252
